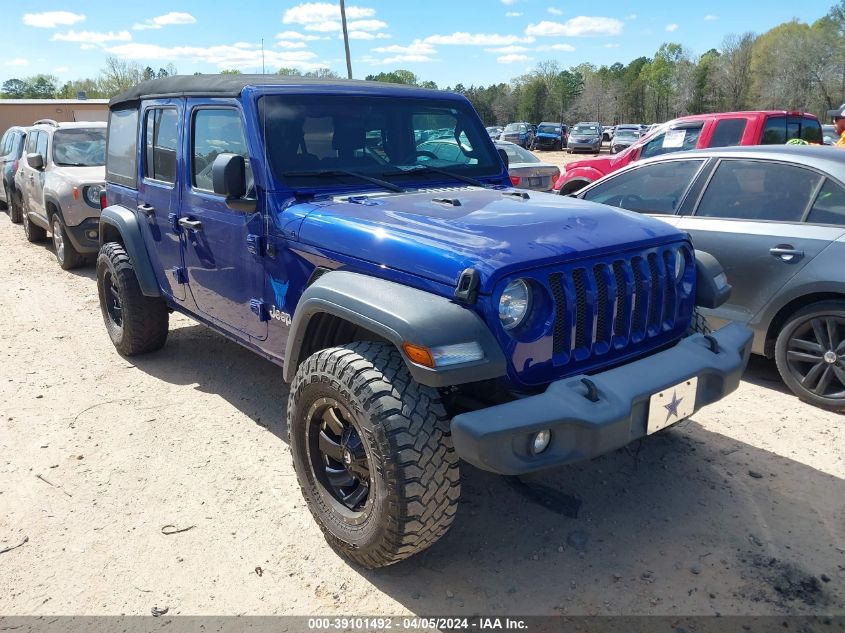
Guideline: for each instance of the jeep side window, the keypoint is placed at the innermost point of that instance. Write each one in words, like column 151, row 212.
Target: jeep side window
column 161, row 138
column 758, row 190
column 216, row 131
column 41, row 146
column 656, row 188
column 30, row 142
column 122, row 145
column 775, row 131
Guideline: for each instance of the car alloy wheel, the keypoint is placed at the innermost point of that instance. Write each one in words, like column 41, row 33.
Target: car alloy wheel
column 58, row 239
column 815, row 356
column 338, row 456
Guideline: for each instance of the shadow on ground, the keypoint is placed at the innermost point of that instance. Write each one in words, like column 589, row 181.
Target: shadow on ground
column 687, row 522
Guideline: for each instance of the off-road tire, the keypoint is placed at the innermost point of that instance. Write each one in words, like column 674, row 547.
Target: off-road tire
column 67, row 256
column 15, row 209
column 5, row 204
column 33, row 232
column 145, row 320
column 414, row 475
column 800, row 319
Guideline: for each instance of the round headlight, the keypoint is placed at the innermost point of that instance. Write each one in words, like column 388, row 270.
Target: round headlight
column 514, row 304
column 679, row 264
column 92, row 195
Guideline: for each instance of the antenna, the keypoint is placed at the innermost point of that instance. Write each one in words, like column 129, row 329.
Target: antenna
column 262, row 56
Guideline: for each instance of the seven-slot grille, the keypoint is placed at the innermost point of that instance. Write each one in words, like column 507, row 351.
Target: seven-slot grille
column 612, row 304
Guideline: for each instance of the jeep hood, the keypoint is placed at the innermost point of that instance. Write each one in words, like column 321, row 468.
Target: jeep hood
column 437, row 234
column 82, row 174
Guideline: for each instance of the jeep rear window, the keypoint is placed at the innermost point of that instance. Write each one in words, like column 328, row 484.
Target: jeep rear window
column 80, row 147
column 379, row 137
column 122, row 146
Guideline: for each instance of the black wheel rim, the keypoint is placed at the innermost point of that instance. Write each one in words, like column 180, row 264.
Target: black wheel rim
column 338, row 456
column 815, row 355
column 111, row 296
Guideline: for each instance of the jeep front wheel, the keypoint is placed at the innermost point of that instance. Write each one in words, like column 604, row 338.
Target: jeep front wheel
column 136, row 323
column 373, row 453
column 66, row 254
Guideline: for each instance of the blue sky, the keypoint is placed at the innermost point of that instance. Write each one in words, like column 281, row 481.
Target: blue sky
column 448, row 41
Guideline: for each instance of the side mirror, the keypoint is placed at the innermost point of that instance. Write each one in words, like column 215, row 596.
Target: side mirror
column 504, row 156
column 36, row 161
column 228, row 176
column 711, row 285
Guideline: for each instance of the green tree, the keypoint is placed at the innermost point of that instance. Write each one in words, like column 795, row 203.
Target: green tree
column 15, row 89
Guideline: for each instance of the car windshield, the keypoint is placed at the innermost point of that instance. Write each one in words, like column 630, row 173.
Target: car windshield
column 626, row 134
column 80, row 147
column 517, row 155
column 516, row 127
column 549, row 129
column 310, row 139
column 586, row 130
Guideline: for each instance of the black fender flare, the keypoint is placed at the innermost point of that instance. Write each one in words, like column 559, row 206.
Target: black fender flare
column 398, row 314
column 125, row 223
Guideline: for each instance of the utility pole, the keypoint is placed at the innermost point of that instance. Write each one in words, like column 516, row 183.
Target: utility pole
column 262, row 55
column 346, row 40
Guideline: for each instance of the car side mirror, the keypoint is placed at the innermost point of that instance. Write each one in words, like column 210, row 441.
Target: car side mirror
column 711, row 284
column 504, row 156
column 228, row 178
column 36, row 161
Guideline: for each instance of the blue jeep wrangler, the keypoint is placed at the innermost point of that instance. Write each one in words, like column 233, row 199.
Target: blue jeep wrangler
column 423, row 310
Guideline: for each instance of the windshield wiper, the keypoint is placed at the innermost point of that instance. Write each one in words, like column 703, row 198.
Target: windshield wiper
column 417, row 169
column 343, row 172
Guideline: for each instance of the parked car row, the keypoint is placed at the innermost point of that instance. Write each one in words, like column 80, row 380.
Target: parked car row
column 53, row 180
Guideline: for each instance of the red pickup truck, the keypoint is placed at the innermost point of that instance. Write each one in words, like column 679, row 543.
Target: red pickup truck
column 771, row 127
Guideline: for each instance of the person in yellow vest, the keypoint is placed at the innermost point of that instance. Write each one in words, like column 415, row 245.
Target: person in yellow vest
column 839, row 121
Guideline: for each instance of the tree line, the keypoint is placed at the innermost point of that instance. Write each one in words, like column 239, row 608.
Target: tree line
column 794, row 66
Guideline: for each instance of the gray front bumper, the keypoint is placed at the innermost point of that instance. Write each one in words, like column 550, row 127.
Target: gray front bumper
column 498, row 438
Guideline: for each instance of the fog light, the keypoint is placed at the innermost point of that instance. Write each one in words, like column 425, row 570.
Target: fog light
column 541, row 441
column 92, row 234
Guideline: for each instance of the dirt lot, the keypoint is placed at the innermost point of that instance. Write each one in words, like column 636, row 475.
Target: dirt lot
column 738, row 511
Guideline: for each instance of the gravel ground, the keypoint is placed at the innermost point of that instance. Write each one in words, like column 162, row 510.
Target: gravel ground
column 740, row 510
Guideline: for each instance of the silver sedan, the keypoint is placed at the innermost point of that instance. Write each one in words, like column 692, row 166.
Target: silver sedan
column 526, row 170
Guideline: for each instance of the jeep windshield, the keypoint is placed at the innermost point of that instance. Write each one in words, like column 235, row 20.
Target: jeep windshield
column 80, row 147
column 585, row 130
column 548, row 129
column 320, row 141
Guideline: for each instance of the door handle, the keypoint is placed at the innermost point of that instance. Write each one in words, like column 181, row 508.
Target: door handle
column 146, row 209
column 191, row 225
column 786, row 253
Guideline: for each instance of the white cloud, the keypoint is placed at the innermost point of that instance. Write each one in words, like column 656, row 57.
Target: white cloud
column 671, row 28
column 612, row 45
column 508, row 2
column 632, row 16
column 287, row 44
column 366, row 25
column 580, row 26
column 364, row 35
column 513, row 14
column 320, row 12
column 477, row 39
column 511, row 59
column 417, row 47
column 710, row 17
column 240, row 55
column 92, row 37
column 507, row 49
column 168, row 19
column 567, row 48
column 52, row 19
column 294, row 35
column 17, row 61
column 407, row 58
column 554, row 11
column 61, row 69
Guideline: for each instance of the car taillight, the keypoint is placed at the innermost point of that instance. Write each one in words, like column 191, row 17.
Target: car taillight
column 103, row 203
column 514, row 180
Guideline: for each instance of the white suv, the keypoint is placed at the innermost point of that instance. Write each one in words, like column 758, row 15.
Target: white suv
column 61, row 180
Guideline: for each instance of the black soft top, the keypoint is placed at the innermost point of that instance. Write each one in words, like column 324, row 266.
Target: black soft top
column 233, row 85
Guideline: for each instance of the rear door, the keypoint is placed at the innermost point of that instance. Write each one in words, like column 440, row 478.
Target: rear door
column 36, row 201
column 221, row 245
column 750, row 217
column 159, row 192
